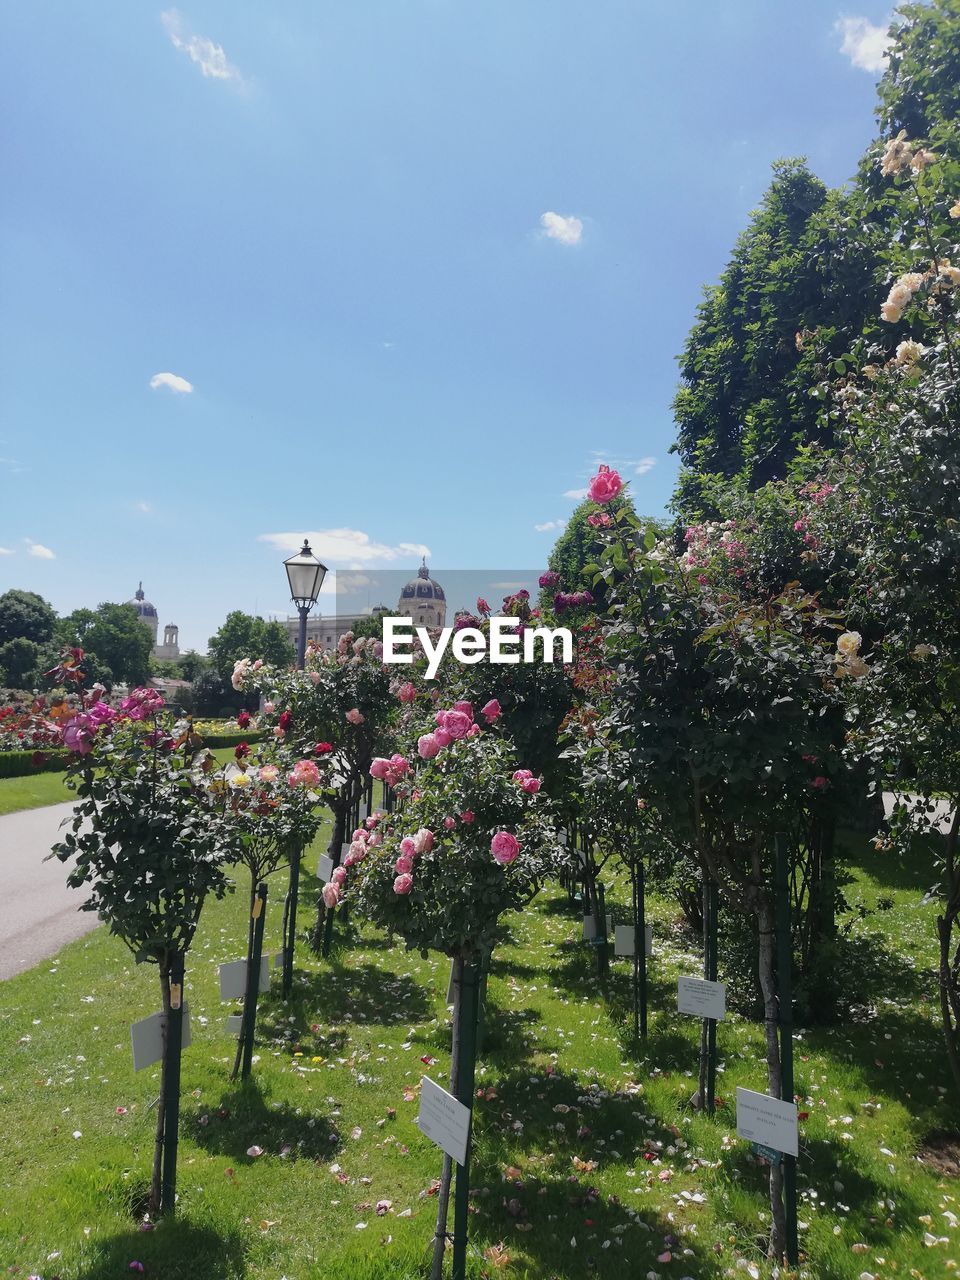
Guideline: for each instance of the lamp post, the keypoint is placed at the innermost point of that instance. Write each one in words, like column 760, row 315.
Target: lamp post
column 305, row 574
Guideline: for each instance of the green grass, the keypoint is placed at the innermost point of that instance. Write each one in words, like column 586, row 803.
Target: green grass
column 31, row 791
column 332, row 1104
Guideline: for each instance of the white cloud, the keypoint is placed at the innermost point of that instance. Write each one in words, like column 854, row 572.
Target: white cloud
column 548, row 526
column 39, row 550
column 143, row 506
column 209, row 57
column 864, row 42
column 638, row 466
column 173, row 381
column 352, row 548
column 5, row 551
column 577, row 494
column 556, row 226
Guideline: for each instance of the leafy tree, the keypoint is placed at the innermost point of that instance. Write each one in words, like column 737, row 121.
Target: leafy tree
column 245, row 636
column 19, row 663
column 743, row 406
column 191, row 664
column 115, row 636
column 920, row 90
column 26, row 616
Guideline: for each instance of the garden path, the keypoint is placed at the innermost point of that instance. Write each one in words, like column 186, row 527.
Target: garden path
column 39, row 913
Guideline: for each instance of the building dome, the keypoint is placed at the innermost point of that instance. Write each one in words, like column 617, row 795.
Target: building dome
column 142, row 605
column 422, row 588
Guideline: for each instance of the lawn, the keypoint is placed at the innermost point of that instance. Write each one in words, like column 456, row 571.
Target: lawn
column 589, row 1161
column 32, row 791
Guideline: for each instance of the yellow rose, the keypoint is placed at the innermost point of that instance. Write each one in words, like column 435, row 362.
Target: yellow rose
column 849, row 643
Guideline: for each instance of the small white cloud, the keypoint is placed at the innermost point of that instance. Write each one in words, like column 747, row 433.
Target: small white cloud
column 5, row 551
column 39, row 550
column 639, row 466
column 209, row 57
column 566, row 229
column 549, row 526
column 577, row 494
column 865, row 43
column 352, row 548
column 643, row 466
column 173, row 381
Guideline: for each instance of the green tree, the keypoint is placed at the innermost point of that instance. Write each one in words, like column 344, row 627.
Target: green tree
column 26, row 616
column 19, row 663
column 743, row 407
column 191, row 664
column 579, row 545
column 245, row 636
column 115, row 636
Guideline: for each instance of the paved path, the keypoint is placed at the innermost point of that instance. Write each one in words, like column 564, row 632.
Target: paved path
column 942, row 809
column 40, row 913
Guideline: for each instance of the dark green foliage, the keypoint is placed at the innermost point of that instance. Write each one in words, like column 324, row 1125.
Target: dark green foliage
column 114, row 636
column 27, row 616
column 245, row 636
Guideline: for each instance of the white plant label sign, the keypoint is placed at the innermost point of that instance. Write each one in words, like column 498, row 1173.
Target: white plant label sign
column 701, row 998
column 625, row 940
column 325, row 867
column 146, row 1038
column 444, row 1120
column 233, row 978
column 767, row 1120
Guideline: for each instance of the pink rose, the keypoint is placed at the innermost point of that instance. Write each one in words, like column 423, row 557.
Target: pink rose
column 330, row 894
column 403, row 883
column 269, row 773
column 78, row 735
column 442, row 738
column 374, row 840
column 604, row 486
column 408, row 846
column 358, row 849
column 399, row 765
column 379, row 767
column 403, row 864
column 474, row 731
column 427, row 746
column 407, row 692
column 423, row 840
column 101, row 713
column 449, row 823
column 355, row 716
column 304, row 774
column 456, row 723
column 467, row 817
column 372, row 821
column 315, row 677
column 504, row 847
column 269, row 708
column 338, row 877
column 350, row 860
column 465, row 707
column 491, row 711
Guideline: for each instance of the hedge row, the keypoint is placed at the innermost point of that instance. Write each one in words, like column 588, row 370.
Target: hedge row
column 18, row 764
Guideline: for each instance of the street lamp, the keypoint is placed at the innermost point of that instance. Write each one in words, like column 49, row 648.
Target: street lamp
column 305, row 574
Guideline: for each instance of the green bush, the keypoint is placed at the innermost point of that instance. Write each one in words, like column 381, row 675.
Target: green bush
column 18, row 764
column 15, row 764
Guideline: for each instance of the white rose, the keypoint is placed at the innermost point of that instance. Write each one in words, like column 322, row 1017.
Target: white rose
column 849, row 643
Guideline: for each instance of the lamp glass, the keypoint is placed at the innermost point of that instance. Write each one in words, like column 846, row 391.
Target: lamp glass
column 305, row 574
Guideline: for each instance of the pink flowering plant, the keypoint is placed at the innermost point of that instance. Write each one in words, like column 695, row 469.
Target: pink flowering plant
column 474, row 837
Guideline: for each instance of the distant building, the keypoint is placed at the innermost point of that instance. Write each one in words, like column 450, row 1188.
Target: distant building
column 147, row 613
column 422, row 600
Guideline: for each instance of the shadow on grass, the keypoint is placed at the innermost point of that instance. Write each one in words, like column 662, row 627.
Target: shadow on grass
column 347, row 991
column 558, row 1129
column 244, row 1118
column 915, row 873
column 175, row 1250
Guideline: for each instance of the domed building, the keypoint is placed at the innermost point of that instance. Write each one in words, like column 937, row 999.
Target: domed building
column 423, row 600
column 147, row 613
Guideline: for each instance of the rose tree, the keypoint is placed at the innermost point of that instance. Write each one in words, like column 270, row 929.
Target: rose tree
column 149, row 839
column 474, row 838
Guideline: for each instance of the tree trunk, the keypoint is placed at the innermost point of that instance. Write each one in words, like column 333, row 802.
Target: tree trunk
column 153, row 1203
column 443, row 1195
column 771, row 1012
column 324, row 921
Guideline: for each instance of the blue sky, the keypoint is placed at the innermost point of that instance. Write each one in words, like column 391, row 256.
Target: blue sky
column 277, row 269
